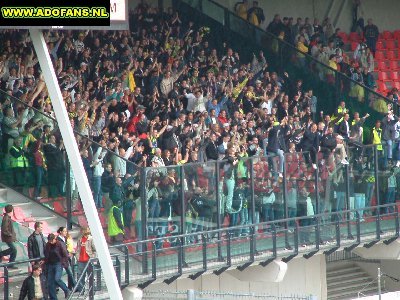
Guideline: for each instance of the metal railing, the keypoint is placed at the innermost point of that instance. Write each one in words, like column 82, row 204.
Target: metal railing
column 264, row 243
column 225, row 248
column 197, row 295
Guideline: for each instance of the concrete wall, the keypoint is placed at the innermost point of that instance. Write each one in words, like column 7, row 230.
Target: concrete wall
column 384, row 12
column 303, row 277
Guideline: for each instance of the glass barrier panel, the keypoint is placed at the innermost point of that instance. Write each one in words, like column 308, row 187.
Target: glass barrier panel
column 300, row 185
column 240, row 26
column 214, row 11
column 362, row 178
column 164, row 191
column 200, row 198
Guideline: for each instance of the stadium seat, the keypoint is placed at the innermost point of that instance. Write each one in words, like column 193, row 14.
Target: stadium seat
column 380, row 45
column 354, row 46
column 390, row 45
column 58, row 207
column 382, row 87
column 393, row 65
column 387, row 35
column 343, row 36
column 381, row 65
column 354, row 37
column 390, row 55
column 394, row 76
column 379, row 55
column 396, row 85
column 396, row 34
column 382, row 76
column 20, row 216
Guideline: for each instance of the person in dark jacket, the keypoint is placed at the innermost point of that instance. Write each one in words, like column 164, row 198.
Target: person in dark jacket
column 328, row 143
column 34, row 286
column 310, row 144
column 344, row 127
column 276, row 144
column 36, row 242
column 87, row 165
column 55, row 255
column 169, row 138
column 8, row 236
column 203, row 209
column 54, row 155
column 212, row 148
column 62, row 238
column 107, row 183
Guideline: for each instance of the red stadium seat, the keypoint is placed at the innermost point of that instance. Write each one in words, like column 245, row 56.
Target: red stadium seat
column 343, row 36
column 382, row 87
column 394, row 76
column 390, row 55
column 354, row 37
column 380, row 45
column 396, row 85
column 381, row 65
column 20, row 216
column 387, row 35
column 58, row 207
column 382, row 76
column 396, row 34
column 390, row 45
column 354, row 46
column 379, row 55
column 393, row 65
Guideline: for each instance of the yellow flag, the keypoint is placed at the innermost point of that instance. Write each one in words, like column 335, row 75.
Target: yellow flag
column 236, row 90
column 131, row 81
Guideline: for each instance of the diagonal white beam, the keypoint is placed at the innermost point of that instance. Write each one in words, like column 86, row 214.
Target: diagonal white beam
column 76, row 164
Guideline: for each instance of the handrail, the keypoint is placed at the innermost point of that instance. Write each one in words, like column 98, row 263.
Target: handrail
column 83, row 274
column 6, row 276
column 20, row 262
column 237, row 227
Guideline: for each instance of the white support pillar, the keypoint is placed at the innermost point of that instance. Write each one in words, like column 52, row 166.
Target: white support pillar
column 76, row 164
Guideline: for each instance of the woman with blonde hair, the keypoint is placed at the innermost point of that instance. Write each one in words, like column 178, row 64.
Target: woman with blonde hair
column 85, row 250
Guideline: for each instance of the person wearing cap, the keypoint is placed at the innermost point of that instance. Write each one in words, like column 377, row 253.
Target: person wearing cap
column 340, row 146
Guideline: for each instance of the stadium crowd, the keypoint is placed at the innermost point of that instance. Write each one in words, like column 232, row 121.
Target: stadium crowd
column 164, row 95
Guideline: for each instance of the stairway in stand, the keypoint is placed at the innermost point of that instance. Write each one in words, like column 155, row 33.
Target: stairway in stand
column 346, row 279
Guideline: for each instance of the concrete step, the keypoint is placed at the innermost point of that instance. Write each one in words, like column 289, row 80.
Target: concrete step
column 342, row 276
column 356, row 284
column 351, row 294
column 344, row 270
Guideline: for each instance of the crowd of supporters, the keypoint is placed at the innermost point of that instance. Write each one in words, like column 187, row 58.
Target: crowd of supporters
column 164, row 95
